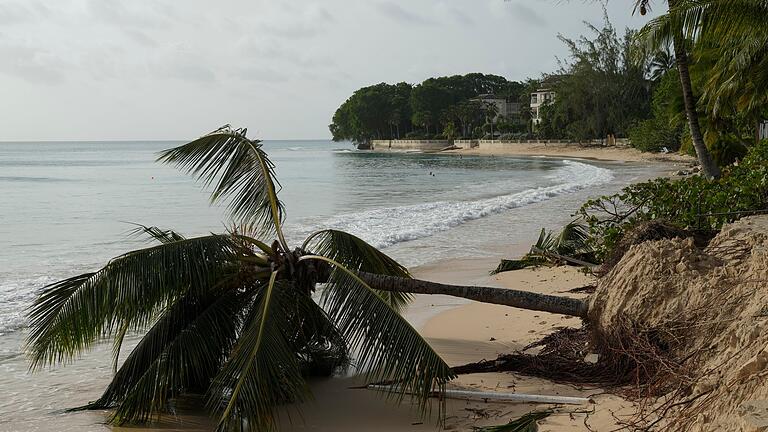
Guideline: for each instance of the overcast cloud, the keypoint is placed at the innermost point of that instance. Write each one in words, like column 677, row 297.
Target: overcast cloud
column 169, row 69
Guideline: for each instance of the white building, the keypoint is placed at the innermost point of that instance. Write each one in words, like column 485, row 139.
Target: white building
column 506, row 108
column 762, row 131
column 540, row 98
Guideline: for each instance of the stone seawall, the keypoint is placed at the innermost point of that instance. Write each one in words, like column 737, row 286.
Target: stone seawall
column 427, row 145
column 436, row 145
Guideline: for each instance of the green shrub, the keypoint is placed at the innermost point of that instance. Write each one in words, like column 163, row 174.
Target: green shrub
column 653, row 135
column 727, row 150
column 693, row 203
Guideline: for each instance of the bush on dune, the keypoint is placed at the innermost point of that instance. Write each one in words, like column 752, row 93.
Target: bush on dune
column 693, row 203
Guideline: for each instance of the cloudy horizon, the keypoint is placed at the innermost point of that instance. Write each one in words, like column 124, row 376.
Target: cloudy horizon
column 106, row 69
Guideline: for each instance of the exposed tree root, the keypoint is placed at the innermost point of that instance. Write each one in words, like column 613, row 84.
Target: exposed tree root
column 632, row 362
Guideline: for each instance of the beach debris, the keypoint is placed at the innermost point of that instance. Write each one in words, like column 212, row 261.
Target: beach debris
column 570, row 246
column 586, row 289
column 497, row 396
column 526, row 423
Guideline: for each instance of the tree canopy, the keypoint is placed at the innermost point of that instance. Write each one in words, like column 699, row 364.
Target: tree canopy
column 388, row 111
column 600, row 89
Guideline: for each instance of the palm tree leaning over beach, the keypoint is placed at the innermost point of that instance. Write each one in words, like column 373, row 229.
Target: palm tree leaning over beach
column 734, row 31
column 234, row 317
column 674, row 34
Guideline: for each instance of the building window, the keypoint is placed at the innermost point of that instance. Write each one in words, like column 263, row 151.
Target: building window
column 534, row 98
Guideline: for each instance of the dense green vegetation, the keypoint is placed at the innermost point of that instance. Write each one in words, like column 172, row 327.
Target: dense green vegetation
column 601, row 90
column 388, row 111
column 693, row 203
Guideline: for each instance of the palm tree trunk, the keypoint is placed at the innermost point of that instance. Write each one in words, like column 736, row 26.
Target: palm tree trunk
column 708, row 167
column 501, row 296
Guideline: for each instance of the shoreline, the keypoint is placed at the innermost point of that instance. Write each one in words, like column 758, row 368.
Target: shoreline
column 595, row 153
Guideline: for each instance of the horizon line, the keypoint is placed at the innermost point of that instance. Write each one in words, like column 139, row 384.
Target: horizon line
column 144, row 140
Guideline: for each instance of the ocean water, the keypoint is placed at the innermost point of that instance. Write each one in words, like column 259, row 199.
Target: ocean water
column 67, row 207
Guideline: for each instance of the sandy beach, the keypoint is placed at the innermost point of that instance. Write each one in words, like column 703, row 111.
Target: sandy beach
column 618, row 154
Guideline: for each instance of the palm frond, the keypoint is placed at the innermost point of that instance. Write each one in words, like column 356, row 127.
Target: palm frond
column 70, row 315
column 181, row 352
column 320, row 347
column 573, row 239
column 241, row 171
column 526, row 423
column 355, row 254
column 526, row 261
column 387, row 347
column 545, row 240
column 155, row 233
column 263, row 371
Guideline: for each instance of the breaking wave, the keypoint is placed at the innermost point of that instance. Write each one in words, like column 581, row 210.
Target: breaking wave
column 385, row 227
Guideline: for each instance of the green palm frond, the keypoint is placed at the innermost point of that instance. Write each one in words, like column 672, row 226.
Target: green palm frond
column 573, row 239
column 320, row 347
column 155, row 233
column 70, row 315
column 262, row 371
column 387, row 347
column 355, row 254
column 241, row 171
column 526, row 423
column 721, row 20
column 736, row 28
column 182, row 351
column 545, row 240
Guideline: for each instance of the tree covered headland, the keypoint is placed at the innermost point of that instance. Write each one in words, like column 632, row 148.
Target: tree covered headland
column 426, row 110
column 622, row 84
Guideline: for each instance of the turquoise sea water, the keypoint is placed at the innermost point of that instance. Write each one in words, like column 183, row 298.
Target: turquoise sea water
column 65, row 209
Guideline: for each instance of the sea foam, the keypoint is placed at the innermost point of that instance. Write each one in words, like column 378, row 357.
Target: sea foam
column 384, row 227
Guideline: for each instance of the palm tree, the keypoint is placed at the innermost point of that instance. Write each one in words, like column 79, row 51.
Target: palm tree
column 231, row 316
column 674, row 34
column 735, row 30
column 491, row 112
column 661, row 62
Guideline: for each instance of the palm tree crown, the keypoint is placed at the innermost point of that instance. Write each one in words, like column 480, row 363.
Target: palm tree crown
column 231, row 316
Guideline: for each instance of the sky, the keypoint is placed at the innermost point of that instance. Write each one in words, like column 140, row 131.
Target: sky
column 175, row 69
